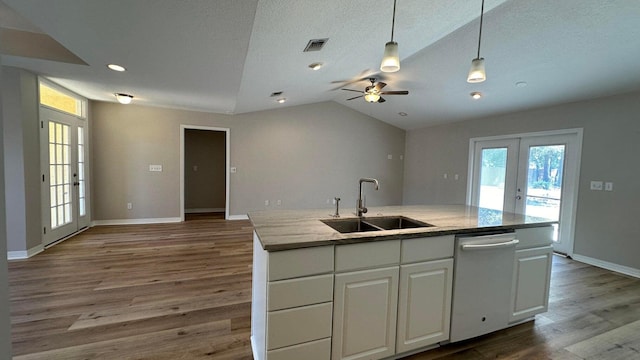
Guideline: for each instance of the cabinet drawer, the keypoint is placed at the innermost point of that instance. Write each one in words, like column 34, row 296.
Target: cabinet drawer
column 425, row 249
column 300, row 262
column 534, row 237
column 315, row 350
column 290, row 293
column 298, row 325
column 367, row 255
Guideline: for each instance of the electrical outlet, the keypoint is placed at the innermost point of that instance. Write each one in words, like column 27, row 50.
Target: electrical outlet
column 390, row 157
column 129, row 206
column 266, row 203
column 596, row 185
column 279, row 202
column 445, row 175
column 456, row 177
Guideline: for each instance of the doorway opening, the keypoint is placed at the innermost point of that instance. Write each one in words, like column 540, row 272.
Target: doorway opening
column 204, row 172
column 64, row 144
column 535, row 174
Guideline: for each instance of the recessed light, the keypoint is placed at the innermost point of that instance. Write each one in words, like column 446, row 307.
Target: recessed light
column 124, row 98
column 476, row 95
column 521, row 84
column 116, row 67
column 402, row 113
column 315, row 66
column 281, row 100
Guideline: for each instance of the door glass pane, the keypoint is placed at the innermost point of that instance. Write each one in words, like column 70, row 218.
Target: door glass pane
column 492, row 177
column 60, row 186
column 544, row 181
column 81, row 180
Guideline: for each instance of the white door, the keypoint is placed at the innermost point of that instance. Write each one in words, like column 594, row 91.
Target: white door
column 365, row 312
column 494, row 174
column 63, row 141
column 536, row 175
column 424, row 304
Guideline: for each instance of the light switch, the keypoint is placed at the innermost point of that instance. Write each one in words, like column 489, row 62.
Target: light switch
column 390, row 157
column 155, row 167
column 608, row 186
column 596, row 185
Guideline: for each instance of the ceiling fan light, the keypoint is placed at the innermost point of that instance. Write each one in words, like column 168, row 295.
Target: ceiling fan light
column 390, row 59
column 124, row 98
column 371, row 97
column 477, row 73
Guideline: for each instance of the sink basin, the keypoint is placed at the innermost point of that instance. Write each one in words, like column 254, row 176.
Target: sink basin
column 346, row 226
column 396, row 222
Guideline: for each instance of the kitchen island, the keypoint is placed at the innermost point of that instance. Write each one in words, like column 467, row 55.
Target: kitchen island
column 323, row 294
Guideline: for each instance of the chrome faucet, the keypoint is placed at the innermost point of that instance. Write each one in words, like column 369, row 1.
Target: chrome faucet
column 360, row 204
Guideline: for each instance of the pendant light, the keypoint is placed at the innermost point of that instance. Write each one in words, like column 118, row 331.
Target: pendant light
column 390, row 59
column 477, row 73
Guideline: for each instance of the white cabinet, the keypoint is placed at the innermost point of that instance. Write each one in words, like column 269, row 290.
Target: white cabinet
column 531, row 273
column 424, row 306
column 292, row 305
column 531, row 280
column 364, row 318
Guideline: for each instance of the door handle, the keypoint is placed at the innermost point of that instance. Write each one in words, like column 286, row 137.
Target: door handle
column 489, row 246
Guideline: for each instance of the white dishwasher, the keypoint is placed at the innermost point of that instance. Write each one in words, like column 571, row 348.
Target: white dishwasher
column 483, row 275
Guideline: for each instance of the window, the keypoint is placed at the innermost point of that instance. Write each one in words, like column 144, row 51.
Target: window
column 61, row 101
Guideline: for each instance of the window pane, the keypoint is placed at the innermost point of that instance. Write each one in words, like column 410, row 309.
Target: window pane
column 54, row 217
column 60, row 215
column 53, row 196
column 83, row 211
column 59, row 100
column 544, row 181
column 67, row 194
column 492, row 177
column 52, row 154
column 67, row 213
column 52, row 132
column 59, row 133
column 52, row 175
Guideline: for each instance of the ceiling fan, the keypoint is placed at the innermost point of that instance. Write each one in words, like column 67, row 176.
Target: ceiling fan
column 373, row 92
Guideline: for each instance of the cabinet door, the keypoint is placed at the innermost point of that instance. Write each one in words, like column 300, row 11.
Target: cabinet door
column 365, row 311
column 531, row 279
column 424, row 305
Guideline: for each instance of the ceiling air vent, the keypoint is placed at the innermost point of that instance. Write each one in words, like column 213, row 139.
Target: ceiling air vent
column 315, row 44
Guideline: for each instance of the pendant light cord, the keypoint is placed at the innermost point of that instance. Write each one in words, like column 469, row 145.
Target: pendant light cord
column 393, row 19
column 479, row 35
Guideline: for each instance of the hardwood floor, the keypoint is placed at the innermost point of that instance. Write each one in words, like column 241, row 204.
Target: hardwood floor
column 183, row 291
column 170, row 291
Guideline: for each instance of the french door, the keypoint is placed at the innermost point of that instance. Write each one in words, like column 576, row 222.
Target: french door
column 536, row 175
column 63, row 139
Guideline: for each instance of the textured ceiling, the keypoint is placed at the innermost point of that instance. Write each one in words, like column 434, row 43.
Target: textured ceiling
column 228, row 56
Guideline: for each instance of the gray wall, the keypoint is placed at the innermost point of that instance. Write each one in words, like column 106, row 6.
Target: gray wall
column 607, row 227
column 21, row 159
column 300, row 155
column 5, row 323
column 205, row 185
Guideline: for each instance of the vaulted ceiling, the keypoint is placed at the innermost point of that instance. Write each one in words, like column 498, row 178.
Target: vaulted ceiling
column 228, row 56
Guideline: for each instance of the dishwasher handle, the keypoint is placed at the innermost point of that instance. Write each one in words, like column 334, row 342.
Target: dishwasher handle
column 491, row 246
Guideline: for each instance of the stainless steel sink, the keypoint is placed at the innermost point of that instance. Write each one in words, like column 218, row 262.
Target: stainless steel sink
column 345, row 226
column 352, row 225
column 396, row 222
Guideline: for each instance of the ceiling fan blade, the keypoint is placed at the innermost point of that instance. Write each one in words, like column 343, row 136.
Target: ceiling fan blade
column 379, row 85
column 352, row 90
column 401, row 92
column 355, row 97
column 381, row 100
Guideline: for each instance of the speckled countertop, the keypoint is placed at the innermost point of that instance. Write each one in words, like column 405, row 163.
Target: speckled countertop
column 292, row 229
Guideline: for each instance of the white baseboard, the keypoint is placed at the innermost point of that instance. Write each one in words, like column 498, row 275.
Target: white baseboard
column 203, row 210
column 238, row 217
column 19, row 255
column 135, row 221
column 608, row 265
